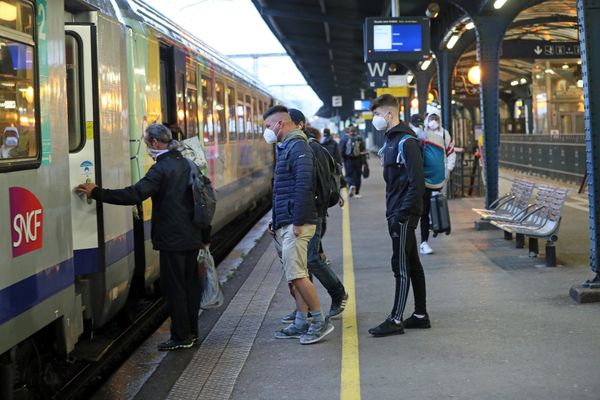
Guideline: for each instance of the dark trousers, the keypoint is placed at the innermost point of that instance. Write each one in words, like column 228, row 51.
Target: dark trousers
column 407, row 268
column 354, row 172
column 320, row 269
column 425, row 222
column 181, row 285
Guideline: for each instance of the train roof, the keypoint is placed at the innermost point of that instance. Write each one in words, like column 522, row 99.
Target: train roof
column 142, row 11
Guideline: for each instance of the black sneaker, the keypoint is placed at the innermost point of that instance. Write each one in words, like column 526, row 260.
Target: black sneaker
column 387, row 328
column 291, row 317
column 417, row 323
column 338, row 306
column 176, row 344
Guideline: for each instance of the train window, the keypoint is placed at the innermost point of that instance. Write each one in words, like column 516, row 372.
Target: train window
column 249, row 118
column 207, row 110
column 191, row 101
column 16, row 15
column 19, row 140
column 239, row 112
column 220, row 113
column 231, row 113
column 75, row 105
column 255, row 120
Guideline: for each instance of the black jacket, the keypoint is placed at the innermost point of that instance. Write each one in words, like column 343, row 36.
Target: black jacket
column 360, row 143
column 333, row 149
column 167, row 182
column 405, row 184
column 294, row 183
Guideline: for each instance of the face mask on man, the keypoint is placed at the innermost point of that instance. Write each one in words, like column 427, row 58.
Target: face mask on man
column 433, row 124
column 380, row 123
column 270, row 136
column 154, row 153
column 11, row 141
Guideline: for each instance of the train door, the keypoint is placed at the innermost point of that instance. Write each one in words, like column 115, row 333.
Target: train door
column 84, row 159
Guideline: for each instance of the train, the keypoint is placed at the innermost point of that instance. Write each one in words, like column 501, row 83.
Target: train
column 79, row 82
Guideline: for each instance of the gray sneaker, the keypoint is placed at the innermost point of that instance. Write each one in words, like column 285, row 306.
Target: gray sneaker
column 291, row 332
column 317, row 331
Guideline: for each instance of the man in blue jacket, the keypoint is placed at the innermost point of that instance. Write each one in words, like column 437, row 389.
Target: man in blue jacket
column 405, row 185
column 173, row 234
column 294, row 221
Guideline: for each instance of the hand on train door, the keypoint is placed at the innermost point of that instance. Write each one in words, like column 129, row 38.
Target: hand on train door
column 86, row 188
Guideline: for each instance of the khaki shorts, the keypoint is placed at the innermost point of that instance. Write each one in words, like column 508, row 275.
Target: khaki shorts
column 293, row 251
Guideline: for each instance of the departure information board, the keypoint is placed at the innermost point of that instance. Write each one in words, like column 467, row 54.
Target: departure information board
column 396, row 39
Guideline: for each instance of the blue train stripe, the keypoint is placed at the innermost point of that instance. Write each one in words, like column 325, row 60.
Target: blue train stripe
column 23, row 295
column 86, row 260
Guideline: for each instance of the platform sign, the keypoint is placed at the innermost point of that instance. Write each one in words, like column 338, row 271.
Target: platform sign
column 336, row 101
column 532, row 49
column 378, row 74
column 401, row 91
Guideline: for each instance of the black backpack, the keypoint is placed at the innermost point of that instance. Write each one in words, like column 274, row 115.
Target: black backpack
column 328, row 176
column 205, row 201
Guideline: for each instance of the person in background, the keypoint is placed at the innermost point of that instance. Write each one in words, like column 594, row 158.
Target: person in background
column 405, row 184
column 294, row 219
column 353, row 152
column 416, row 124
column 174, row 235
column 332, row 146
column 435, row 133
column 10, row 141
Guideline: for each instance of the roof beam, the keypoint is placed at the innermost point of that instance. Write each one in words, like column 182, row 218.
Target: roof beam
column 355, row 23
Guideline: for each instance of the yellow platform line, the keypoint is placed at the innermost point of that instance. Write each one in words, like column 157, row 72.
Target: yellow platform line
column 350, row 376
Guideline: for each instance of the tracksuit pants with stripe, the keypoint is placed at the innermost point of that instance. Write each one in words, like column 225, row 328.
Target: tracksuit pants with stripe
column 407, row 268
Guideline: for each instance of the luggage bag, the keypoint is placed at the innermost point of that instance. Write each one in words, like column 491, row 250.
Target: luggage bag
column 440, row 215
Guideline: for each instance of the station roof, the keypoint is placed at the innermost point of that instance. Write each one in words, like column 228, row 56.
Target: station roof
column 324, row 38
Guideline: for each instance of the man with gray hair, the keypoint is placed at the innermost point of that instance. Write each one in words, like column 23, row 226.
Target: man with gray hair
column 173, row 234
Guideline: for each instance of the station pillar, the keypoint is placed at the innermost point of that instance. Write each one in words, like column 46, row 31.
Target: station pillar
column 589, row 15
column 423, row 78
column 490, row 32
column 446, row 64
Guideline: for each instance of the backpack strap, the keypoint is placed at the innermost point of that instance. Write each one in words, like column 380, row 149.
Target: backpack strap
column 400, row 157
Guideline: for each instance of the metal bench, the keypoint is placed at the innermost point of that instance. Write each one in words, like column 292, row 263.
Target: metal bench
column 509, row 208
column 541, row 221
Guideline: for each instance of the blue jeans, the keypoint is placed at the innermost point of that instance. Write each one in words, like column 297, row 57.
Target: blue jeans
column 320, row 269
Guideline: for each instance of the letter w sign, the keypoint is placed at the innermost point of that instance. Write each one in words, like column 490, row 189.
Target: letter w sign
column 378, row 75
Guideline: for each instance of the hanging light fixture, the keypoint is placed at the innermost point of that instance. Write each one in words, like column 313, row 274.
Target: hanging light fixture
column 499, row 3
column 474, row 75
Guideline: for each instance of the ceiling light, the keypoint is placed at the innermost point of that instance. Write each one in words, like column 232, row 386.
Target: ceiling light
column 499, row 3
column 580, row 83
column 578, row 62
column 452, row 42
column 414, row 103
column 453, row 102
column 433, row 10
column 565, row 66
column 514, row 83
column 426, row 64
column 549, row 71
column 523, row 81
column 474, row 75
column 470, row 26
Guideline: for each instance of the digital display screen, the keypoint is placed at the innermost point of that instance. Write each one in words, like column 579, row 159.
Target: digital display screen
column 362, row 105
column 398, row 37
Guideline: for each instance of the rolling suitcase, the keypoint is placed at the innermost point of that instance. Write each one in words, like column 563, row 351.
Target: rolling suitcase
column 440, row 215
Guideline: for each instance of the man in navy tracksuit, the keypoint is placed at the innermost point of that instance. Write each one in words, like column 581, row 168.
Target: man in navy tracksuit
column 405, row 185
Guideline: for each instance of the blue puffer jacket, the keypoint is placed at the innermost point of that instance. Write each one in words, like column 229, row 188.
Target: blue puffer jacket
column 294, row 184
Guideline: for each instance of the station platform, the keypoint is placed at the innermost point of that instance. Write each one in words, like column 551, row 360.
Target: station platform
column 503, row 326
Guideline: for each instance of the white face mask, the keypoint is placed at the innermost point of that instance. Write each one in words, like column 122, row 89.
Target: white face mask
column 434, row 125
column 270, row 136
column 379, row 123
column 11, row 141
column 154, row 153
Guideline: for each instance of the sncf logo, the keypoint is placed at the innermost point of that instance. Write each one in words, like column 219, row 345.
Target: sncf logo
column 26, row 216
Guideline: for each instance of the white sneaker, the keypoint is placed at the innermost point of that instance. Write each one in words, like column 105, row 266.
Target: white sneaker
column 425, row 249
column 351, row 191
column 358, row 196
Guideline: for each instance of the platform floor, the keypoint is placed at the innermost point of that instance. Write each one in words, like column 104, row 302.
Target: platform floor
column 503, row 326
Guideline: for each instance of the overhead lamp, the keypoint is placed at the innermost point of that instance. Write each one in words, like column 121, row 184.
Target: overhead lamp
column 514, row 83
column 430, row 97
column 470, row 25
column 452, row 42
column 565, row 66
column 578, row 62
column 549, row 71
column 499, row 3
column 8, row 12
column 410, row 77
column 474, row 75
column 453, row 102
column 580, row 83
column 426, row 64
column 523, row 81
column 433, row 10
column 414, row 103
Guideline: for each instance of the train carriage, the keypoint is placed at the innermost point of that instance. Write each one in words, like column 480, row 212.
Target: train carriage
column 80, row 81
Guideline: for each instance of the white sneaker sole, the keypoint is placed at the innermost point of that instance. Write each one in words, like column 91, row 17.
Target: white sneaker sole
column 315, row 340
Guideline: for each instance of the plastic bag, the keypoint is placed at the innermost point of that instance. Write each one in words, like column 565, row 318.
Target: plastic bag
column 212, row 295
